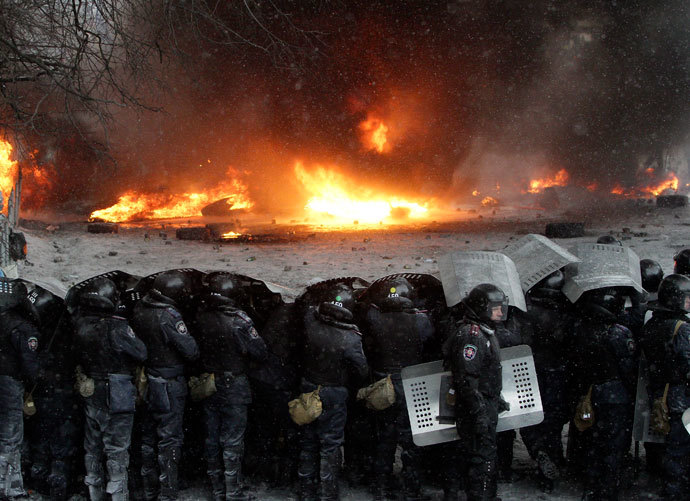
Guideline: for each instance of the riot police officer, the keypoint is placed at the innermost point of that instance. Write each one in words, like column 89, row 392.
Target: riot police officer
column 666, row 345
column 158, row 323
column 109, row 353
column 57, row 426
column 681, row 262
column 395, row 335
column 550, row 315
column 606, row 368
column 19, row 340
column 227, row 341
column 333, row 360
column 472, row 353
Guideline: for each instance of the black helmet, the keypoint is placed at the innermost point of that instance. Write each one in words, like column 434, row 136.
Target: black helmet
column 605, row 303
column 174, row 285
column 681, row 262
column 341, row 295
column 225, row 285
column 399, row 287
column 609, row 240
column 549, row 287
column 483, row 299
column 100, row 294
column 652, row 275
column 674, row 292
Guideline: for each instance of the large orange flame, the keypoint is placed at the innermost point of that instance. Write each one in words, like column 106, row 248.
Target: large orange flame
column 559, row 179
column 670, row 183
column 336, row 199
column 374, row 134
column 133, row 205
column 9, row 170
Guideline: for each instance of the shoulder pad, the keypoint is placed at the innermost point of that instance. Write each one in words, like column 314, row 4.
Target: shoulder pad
column 173, row 311
column 475, row 330
column 243, row 316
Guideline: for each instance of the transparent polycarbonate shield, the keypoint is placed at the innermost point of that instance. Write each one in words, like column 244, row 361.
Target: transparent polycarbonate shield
column 536, row 257
column 601, row 266
column 642, row 431
column 430, row 419
column 461, row 271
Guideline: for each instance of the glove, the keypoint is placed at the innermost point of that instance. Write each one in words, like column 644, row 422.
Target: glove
column 503, row 405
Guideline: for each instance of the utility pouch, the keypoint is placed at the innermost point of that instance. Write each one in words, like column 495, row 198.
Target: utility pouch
column 659, row 420
column 379, row 395
column 122, row 394
column 141, row 381
column 83, row 384
column 157, row 395
column 29, row 406
column 306, row 408
column 202, row 387
column 584, row 412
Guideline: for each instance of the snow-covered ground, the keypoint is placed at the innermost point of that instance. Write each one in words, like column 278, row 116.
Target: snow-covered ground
column 67, row 255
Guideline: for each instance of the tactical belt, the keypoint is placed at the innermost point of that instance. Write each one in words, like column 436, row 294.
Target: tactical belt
column 166, row 372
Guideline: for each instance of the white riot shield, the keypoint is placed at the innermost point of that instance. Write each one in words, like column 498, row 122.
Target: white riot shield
column 536, row 257
column 642, row 431
column 422, row 385
column 686, row 419
column 462, row 271
column 603, row 266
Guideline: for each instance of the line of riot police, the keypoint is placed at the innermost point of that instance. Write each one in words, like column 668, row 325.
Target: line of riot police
column 108, row 371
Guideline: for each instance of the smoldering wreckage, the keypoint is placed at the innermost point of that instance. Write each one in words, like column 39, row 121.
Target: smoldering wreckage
column 569, row 354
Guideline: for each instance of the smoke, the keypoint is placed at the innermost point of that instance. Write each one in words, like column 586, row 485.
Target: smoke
column 473, row 92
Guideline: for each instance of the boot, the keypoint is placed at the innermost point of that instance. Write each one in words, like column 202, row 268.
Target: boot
column 330, row 474
column 233, row 489
column 308, row 489
column 57, row 480
column 546, row 466
column 149, row 473
column 215, row 474
column 378, row 488
column 168, row 460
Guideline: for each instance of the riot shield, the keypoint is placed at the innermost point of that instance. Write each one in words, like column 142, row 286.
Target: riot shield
column 11, row 293
column 461, row 271
column 686, row 419
column 536, row 257
column 601, row 266
column 430, row 420
column 642, row 431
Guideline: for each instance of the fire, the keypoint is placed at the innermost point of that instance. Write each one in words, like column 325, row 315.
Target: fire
column 670, row 183
column 9, row 170
column 374, row 134
column 489, row 202
column 230, row 235
column 344, row 201
column 475, row 193
column 133, row 205
column 559, row 179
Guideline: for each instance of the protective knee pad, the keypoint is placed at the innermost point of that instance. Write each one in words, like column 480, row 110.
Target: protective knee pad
column 308, row 464
column 94, row 470
column 117, row 479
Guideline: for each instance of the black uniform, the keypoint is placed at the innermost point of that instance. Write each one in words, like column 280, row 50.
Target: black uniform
column 18, row 362
column 108, row 352
column 272, row 447
column 668, row 358
column 227, row 341
column 160, row 326
column 551, row 324
column 472, row 353
column 58, row 423
column 334, row 360
column 396, row 336
column 605, row 360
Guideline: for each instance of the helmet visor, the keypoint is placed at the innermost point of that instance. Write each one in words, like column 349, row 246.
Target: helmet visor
column 498, row 310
